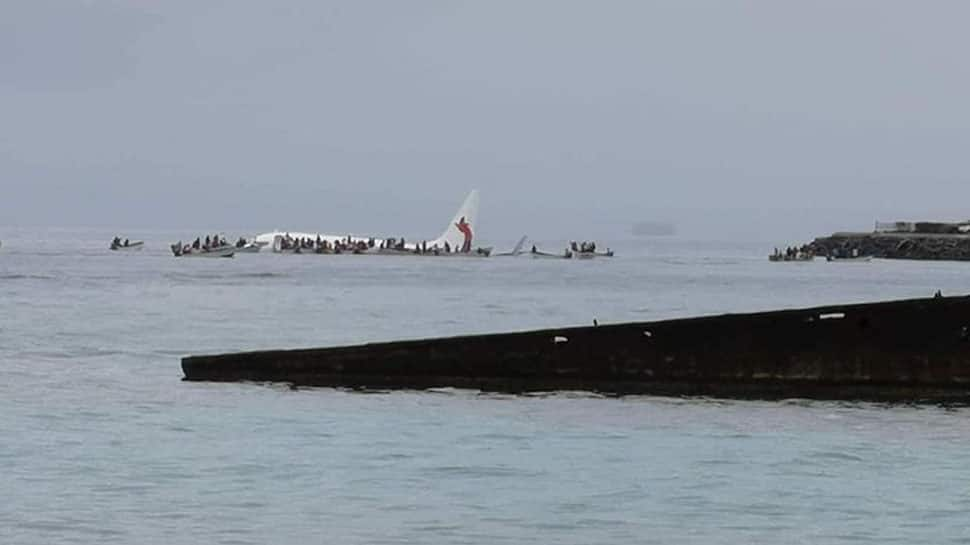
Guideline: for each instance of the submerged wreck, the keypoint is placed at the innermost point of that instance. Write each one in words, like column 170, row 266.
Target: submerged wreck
column 907, row 350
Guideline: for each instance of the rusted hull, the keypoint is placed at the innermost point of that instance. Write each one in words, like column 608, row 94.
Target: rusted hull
column 901, row 350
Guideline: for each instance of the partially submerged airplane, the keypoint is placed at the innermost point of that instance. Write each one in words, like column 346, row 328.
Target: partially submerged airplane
column 456, row 240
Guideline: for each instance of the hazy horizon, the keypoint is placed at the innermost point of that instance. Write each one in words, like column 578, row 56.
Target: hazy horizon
column 727, row 119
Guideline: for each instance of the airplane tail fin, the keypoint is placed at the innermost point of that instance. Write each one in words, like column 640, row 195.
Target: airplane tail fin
column 460, row 232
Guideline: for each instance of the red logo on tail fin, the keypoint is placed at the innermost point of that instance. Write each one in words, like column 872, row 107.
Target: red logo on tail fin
column 466, row 230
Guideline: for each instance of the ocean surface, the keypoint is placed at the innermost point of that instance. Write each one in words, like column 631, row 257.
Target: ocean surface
column 103, row 443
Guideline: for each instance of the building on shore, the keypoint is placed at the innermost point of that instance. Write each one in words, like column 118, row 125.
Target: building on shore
column 929, row 227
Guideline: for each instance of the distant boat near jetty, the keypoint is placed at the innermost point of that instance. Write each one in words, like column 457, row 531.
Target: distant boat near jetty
column 858, row 259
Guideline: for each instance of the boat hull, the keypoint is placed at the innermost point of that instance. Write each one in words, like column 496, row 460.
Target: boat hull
column 592, row 255
column 911, row 350
column 544, row 255
column 776, row 258
column 225, row 251
column 131, row 247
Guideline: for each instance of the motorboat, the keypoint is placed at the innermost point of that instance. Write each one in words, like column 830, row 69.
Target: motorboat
column 225, row 250
column 292, row 251
column 587, row 250
column 792, row 253
column 248, row 247
column 127, row 245
column 859, row 258
column 591, row 255
column 296, row 250
column 800, row 256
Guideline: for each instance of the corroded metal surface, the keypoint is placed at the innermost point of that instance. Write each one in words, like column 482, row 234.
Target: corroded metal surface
column 900, row 350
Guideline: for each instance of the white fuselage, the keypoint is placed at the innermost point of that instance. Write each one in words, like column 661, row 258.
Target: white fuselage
column 457, row 235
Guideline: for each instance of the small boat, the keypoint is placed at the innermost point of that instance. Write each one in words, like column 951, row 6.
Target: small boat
column 859, row 258
column 587, row 250
column 591, row 255
column 278, row 249
column 226, row 250
column 128, row 245
column 249, row 248
column 282, row 246
column 787, row 258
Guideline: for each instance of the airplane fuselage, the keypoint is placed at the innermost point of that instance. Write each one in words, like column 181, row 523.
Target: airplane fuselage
column 457, row 237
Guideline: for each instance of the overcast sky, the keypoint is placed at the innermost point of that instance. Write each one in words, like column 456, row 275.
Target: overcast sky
column 726, row 117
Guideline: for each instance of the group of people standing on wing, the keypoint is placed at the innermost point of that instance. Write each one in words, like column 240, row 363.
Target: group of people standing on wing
column 323, row 246
column 349, row 245
column 400, row 245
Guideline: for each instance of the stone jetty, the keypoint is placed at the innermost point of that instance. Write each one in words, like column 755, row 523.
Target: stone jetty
column 901, row 240
column 954, row 247
column 907, row 350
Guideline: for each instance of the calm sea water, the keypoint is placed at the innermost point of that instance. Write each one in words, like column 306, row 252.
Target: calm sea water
column 102, row 442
